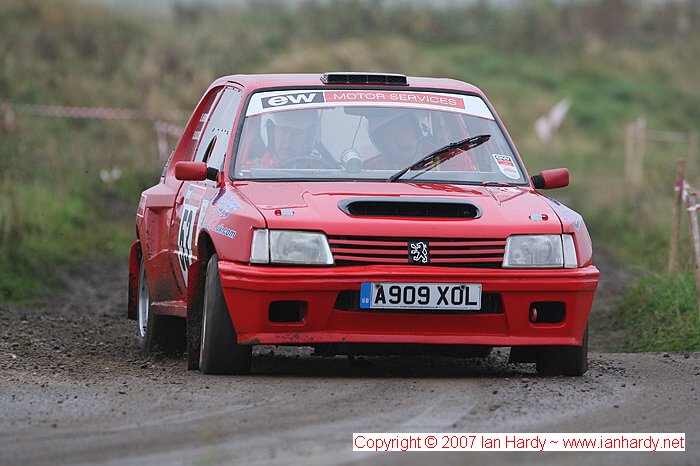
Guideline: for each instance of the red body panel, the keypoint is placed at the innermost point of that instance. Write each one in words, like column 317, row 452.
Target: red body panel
column 175, row 217
column 249, row 291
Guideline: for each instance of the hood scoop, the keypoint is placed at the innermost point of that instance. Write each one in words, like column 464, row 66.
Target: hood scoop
column 409, row 208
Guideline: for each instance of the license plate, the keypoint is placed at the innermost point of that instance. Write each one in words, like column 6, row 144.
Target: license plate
column 454, row 296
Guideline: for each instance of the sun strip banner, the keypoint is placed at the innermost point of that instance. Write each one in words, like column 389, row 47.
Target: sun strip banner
column 264, row 102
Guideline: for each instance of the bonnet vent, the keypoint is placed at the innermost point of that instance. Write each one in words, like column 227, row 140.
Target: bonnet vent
column 409, row 208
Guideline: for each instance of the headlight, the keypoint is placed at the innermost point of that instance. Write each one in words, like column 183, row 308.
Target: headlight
column 540, row 251
column 290, row 247
column 570, row 259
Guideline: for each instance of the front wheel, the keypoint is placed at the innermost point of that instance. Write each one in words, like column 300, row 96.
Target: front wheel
column 220, row 352
column 564, row 360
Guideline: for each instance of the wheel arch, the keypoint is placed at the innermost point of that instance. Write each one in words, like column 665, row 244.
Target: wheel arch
column 196, row 274
column 134, row 266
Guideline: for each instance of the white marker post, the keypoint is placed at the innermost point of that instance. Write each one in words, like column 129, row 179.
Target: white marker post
column 695, row 239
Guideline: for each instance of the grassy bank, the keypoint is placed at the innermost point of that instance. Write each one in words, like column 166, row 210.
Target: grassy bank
column 659, row 313
column 616, row 61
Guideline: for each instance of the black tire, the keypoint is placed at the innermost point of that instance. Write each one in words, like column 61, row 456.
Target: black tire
column 564, row 360
column 220, row 353
column 156, row 333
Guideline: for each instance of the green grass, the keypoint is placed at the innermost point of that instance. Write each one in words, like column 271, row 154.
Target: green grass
column 57, row 229
column 660, row 313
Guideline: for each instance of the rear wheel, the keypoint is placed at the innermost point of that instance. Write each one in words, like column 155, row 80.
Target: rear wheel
column 564, row 360
column 164, row 333
column 220, row 353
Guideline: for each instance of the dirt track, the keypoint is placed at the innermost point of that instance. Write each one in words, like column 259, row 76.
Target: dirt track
column 75, row 389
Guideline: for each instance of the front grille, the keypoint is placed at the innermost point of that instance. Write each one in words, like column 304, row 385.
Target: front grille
column 362, row 250
column 349, row 300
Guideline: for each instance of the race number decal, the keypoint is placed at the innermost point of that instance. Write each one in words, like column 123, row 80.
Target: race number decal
column 185, row 238
column 202, row 213
column 186, row 233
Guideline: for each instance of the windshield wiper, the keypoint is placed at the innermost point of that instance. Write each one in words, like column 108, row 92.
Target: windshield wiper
column 440, row 155
column 500, row 184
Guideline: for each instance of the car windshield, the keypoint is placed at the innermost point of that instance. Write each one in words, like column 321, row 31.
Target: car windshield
column 370, row 135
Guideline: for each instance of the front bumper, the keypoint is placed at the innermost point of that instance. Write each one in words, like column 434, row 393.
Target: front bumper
column 249, row 290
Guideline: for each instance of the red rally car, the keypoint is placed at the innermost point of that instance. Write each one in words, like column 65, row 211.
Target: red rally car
column 357, row 213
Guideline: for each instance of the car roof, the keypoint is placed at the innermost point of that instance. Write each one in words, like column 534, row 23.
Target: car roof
column 252, row 82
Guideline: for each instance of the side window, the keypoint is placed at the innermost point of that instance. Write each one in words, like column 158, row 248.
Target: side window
column 197, row 133
column 217, row 133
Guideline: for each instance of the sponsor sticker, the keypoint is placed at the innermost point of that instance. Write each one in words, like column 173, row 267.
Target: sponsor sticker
column 425, row 98
column 507, row 166
column 220, row 208
column 292, row 99
column 566, row 214
column 227, row 232
column 142, row 206
column 226, row 205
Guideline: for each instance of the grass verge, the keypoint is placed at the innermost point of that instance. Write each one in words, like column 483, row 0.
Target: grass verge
column 58, row 230
column 659, row 313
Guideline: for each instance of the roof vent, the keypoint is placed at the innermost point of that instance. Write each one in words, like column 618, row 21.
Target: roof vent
column 365, row 78
column 409, row 208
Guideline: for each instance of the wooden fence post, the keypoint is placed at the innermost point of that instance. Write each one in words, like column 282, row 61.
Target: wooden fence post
column 640, row 149
column 693, row 151
column 629, row 158
column 676, row 226
column 8, row 117
column 694, row 239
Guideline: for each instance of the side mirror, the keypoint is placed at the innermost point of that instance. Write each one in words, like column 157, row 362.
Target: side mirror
column 195, row 171
column 191, row 171
column 550, row 179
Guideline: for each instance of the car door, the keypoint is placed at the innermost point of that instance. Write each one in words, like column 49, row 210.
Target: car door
column 155, row 213
column 194, row 197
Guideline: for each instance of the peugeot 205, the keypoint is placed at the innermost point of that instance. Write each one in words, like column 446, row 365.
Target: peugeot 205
column 357, row 213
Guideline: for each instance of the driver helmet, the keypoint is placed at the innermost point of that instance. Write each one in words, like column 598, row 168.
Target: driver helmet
column 378, row 125
column 306, row 120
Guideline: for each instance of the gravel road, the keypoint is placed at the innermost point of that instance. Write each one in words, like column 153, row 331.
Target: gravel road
column 74, row 389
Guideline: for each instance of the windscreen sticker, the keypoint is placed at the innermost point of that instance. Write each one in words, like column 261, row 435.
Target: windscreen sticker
column 292, row 99
column 396, row 97
column 263, row 102
column 507, row 166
